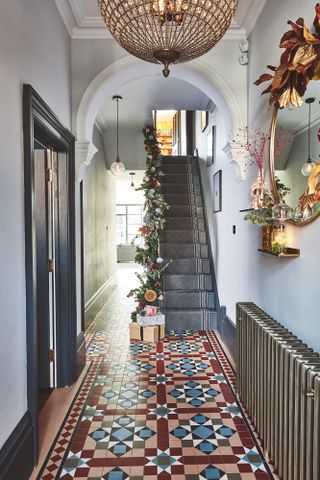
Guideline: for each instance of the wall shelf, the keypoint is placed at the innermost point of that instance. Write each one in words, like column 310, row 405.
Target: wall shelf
column 290, row 253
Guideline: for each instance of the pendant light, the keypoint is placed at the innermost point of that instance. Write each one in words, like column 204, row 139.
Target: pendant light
column 309, row 164
column 167, row 31
column 132, row 185
column 117, row 168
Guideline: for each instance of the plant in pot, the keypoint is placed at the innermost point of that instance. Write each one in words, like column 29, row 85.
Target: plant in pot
column 264, row 217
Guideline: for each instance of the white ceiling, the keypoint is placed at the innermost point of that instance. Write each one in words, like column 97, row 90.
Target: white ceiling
column 142, row 96
column 83, row 20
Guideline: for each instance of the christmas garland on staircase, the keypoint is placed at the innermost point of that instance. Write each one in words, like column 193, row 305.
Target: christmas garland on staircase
column 150, row 290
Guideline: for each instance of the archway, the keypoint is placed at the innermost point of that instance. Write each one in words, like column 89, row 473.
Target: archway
column 128, row 69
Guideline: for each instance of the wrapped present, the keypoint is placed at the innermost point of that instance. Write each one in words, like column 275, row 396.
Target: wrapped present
column 146, row 320
column 150, row 310
column 150, row 333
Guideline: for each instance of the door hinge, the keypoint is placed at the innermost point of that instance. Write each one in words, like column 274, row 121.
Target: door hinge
column 50, row 265
column 52, row 355
column 49, row 175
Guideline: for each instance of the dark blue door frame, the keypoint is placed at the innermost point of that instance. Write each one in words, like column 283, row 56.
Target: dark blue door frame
column 40, row 123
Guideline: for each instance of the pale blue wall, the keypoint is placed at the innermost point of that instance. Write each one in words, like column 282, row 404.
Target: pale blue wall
column 35, row 49
column 287, row 289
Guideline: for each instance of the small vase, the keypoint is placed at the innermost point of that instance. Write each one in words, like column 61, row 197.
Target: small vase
column 266, row 238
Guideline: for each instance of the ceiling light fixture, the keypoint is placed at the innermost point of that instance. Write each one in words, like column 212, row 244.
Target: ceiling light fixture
column 117, row 168
column 309, row 164
column 167, row 31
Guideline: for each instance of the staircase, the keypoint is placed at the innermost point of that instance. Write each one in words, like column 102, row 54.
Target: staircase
column 189, row 299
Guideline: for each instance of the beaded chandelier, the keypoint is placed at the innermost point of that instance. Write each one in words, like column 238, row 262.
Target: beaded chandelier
column 167, row 31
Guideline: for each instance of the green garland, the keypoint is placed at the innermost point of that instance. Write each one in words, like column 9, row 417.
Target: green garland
column 151, row 230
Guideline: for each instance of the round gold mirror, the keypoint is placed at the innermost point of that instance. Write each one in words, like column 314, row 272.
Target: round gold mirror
column 294, row 159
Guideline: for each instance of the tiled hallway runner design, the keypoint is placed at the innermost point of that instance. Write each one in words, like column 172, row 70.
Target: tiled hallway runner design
column 163, row 410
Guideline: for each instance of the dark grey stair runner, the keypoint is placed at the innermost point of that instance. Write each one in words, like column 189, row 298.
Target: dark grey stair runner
column 189, row 299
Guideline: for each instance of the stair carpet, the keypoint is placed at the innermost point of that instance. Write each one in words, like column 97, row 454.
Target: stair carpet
column 189, row 299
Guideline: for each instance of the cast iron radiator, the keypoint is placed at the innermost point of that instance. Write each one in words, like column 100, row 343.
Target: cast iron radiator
column 278, row 384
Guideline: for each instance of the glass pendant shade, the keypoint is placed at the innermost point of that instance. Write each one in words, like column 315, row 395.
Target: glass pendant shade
column 281, row 212
column 308, row 166
column 117, row 167
column 167, row 31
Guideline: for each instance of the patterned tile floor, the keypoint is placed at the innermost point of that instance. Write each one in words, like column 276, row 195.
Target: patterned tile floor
column 144, row 411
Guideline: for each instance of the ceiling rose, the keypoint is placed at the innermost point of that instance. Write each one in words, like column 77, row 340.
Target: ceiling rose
column 167, row 31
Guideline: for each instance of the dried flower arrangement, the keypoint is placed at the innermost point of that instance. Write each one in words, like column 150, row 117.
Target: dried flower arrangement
column 299, row 64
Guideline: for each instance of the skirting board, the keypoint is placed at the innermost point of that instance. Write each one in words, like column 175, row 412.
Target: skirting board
column 227, row 332
column 99, row 298
column 17, row 455
column 81, row 353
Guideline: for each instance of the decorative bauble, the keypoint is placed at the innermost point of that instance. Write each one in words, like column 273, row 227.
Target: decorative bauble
column 151, row 137
column 153, row 169
column 146, row 179
column 158, row 210
column 159, row 260
column 150, row 295
column 160, row 297
column 149, row 157
column 152, row 191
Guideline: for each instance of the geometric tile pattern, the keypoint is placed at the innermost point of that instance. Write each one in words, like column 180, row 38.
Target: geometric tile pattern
column 194, row 393
column 154, row 411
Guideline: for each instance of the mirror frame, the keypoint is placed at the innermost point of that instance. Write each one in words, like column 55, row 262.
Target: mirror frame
column 297, row 223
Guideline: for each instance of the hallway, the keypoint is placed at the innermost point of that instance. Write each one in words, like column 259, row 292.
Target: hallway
column 148, row 410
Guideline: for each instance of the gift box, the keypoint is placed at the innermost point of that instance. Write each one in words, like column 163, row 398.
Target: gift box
column 150, row 333
column 150, row 310
column 146, row 320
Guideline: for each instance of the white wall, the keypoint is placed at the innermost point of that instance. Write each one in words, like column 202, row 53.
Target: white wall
column 35, row 49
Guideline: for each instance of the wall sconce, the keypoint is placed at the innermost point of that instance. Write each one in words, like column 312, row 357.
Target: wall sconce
column 132, row 185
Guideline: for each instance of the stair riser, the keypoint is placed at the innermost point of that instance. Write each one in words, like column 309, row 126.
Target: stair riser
column 191, row 320
column 182, row 199
column 187, row 282
column 184, row 211
column 184, row 223
column 168, row 179
column 187, row 250
column 175, row 188
column 168, row 160
column 176, row 169
column 189, row 266
column 184, row 236
column 188, row 300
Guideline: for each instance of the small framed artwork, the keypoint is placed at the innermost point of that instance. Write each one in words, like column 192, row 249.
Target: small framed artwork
column 204, row 120
column 217, row 191
column 211, row 141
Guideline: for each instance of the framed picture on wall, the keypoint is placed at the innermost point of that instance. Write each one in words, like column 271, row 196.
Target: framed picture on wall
column 204, row 120
column 211, row 142
column 217, row 191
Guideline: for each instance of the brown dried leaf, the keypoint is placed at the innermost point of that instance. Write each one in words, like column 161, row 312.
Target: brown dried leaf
column 289, row 40
column 271, row 67
column 316, row 22
column 316, row 73
column 309, row 37
column 268, row 90
column 281, row 77
column 297, row 27
column 265, row 77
